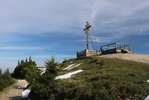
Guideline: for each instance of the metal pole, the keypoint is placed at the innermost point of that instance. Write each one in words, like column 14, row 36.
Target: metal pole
column 87, row 43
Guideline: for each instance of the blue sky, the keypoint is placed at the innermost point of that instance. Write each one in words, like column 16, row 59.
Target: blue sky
column 41, row 28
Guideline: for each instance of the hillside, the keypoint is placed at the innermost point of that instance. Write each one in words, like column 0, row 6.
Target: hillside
column 104, row 79
column 93, row 78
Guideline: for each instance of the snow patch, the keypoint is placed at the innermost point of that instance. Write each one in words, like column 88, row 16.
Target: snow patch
column 42, row 69
column 68, row 67
column 72, row 66
column 68, row 75
column 42, row 72
column 23, row 87
column 25, row 93
column 147, row 98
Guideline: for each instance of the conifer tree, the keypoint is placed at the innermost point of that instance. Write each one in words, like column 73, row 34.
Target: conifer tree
column 23, row 67
column 43, row 87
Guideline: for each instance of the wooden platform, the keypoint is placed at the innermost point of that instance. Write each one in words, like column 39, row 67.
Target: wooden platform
column 116, row 48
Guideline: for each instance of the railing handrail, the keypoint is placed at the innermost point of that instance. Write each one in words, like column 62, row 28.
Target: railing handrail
column 110, row 44
column 117, row 47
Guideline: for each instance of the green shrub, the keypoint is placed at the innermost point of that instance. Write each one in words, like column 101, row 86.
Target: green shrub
column 23, row 67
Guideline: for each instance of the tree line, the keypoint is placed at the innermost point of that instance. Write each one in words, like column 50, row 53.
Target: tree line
column 42, row 86
column 5, row 79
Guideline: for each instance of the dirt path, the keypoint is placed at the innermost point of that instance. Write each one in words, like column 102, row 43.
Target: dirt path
column 132, row 57
column 14, row 93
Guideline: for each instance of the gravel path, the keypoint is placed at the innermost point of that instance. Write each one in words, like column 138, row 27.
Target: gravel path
column 132, row 57
column 14, row 93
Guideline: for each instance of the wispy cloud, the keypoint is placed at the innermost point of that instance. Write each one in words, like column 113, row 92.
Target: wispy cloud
column 8, row 58
column 102, row 39
column 24, row 48
column 59, row 56
column 38, row 27
column 104, row 15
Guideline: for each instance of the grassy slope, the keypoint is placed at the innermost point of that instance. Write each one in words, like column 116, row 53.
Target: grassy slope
column 105, row 79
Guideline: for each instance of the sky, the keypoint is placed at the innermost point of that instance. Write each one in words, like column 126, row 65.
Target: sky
column 42, row 28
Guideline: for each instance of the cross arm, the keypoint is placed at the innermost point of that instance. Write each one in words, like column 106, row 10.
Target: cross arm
column 87, row 27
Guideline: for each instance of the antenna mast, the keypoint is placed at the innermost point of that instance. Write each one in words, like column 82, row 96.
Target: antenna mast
column 86, row 32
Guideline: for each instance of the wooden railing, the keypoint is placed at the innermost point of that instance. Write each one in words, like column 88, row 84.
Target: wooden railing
column 87, row 52
column 116, row 49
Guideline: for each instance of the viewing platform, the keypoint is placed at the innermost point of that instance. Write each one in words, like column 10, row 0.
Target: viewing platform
column 115, row 48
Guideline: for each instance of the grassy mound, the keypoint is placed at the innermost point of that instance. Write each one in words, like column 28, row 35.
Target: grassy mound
column 104, row 79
